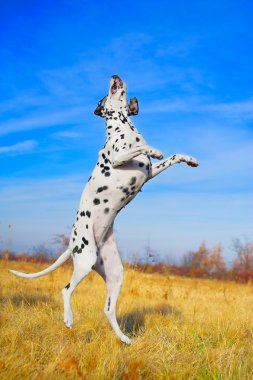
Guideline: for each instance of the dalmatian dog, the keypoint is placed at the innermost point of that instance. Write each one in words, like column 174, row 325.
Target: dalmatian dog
column 123, row 167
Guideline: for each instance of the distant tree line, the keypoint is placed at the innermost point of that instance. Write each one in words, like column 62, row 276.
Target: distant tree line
column 203, row 263
column 209, row 263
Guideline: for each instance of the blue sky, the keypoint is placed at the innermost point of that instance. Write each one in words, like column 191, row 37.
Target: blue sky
column 189, row 63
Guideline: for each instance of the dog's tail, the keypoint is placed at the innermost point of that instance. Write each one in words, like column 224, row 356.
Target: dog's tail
column 64, row 257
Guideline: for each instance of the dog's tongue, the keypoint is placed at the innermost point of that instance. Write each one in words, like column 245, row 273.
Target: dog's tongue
column 116, row 84
column 114, row 88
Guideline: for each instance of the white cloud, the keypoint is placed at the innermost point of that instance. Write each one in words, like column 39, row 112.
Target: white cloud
column 19, row 191
column 68, row 134
column 179, row 48
column 19, row 148
column 23, row 101
column 50, row 119
column 230, row 110
column 223, row 165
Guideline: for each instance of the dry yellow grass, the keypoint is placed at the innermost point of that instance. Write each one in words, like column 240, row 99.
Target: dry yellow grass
column 181, row 328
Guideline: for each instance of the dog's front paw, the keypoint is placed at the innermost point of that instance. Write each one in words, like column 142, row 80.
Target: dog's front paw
column 155, row 153
column 192, row 162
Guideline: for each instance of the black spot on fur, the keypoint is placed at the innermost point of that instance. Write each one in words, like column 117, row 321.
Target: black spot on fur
column 101, row 262
column 88, row 214
column 109, row 303
column 67, row 286
column 105, row 200
column 141, row 164
column 137, row 139
column 96, row 201
column 86, row 242
column 107, row 174
column 132, row 181
column 106, row 210
column 75, row 249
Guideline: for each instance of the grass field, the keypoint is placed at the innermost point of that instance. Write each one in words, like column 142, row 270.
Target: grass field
column 181, row 328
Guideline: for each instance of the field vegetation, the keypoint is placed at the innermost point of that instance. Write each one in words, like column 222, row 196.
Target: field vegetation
column 181, row 328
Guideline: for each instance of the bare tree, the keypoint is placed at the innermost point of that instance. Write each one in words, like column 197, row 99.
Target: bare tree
column 197, row 263
column 217, row 264
column 204, row 262
column 62, row 241
column 243, row 263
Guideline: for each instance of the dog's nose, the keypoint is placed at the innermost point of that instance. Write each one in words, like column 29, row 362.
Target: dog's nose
column 116, row 77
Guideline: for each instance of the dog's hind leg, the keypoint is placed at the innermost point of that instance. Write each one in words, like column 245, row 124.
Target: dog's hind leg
column 83, row 263
column 110, row 267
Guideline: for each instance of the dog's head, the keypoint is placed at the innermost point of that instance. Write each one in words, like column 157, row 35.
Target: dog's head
column 116, row 100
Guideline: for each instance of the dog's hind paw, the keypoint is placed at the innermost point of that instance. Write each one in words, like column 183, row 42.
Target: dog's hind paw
column 125, row 339
column 68, row 324
column 68, row 320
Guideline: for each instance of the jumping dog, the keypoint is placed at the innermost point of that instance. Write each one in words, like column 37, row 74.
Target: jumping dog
column 123, row 167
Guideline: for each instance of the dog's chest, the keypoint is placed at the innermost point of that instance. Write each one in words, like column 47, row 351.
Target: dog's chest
column 121, row 183
column 138, row 166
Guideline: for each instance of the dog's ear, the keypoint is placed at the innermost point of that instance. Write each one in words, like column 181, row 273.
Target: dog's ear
column 133, row 107
column 99, row 111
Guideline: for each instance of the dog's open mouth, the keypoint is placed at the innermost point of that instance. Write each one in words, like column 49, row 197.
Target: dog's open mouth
column 117, row 83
